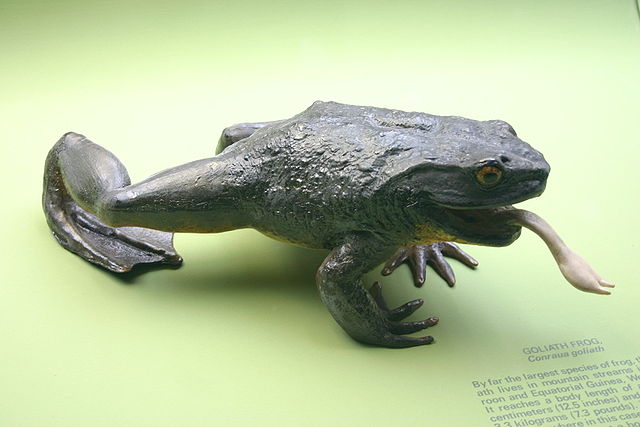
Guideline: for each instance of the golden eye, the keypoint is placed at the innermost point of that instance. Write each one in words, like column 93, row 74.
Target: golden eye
column 489, row 176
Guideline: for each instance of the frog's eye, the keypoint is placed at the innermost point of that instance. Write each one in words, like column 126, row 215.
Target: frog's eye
column 488, row 176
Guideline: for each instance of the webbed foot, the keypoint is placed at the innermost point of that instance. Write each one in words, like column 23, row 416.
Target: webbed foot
column 419, row 256
column 120, row 249
column 89, row 169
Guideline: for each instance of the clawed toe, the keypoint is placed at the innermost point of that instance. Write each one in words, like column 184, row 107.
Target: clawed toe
column 401, row 341
column 397, row 313
column 419, row 256
column 411, row 327
column 405, row 309
column 394, row 317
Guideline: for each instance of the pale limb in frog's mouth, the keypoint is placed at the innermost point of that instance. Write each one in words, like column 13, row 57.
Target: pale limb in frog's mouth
column 573, row 267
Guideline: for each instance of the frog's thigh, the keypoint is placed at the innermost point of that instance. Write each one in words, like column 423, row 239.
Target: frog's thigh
column 238, row 132
column 195, row 197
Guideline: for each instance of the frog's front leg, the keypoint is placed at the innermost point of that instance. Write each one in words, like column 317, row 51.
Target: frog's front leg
column 362, row 314
column 419, row 256
column 235, row 133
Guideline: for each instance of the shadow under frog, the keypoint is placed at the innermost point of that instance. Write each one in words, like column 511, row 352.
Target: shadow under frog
column 368, row 184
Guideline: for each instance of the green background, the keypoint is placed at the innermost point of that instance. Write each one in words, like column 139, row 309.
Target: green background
column 238, row 335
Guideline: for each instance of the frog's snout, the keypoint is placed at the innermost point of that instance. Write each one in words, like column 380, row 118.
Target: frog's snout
column 543, row 170
column 532, row 167
column 528, row 178
column 539, row 175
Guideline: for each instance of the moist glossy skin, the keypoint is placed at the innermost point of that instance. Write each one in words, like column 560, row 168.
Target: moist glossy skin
column 338, row 168
column 358, row 181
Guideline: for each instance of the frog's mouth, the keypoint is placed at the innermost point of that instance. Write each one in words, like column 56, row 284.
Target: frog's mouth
column 482, row 226
column 502, row 225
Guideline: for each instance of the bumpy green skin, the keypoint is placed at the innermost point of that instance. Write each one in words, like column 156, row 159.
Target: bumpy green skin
column 359, row 181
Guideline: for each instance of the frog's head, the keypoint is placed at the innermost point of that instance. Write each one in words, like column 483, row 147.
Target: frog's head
column 461, row 174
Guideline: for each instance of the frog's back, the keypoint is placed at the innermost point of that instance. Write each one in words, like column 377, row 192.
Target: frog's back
column 317, row 171
column 331, row 143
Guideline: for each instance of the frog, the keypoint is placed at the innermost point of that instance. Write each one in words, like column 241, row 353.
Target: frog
column 372, row 186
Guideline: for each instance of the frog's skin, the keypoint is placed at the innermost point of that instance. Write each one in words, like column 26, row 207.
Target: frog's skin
column 365, row 183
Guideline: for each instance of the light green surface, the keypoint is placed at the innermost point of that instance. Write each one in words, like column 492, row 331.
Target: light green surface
column 238, row 336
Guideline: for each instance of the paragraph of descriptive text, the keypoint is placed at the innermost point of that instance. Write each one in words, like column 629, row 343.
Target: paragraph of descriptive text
column 603, row 393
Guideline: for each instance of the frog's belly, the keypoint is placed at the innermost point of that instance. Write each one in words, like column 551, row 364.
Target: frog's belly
column 305, row 243
column 315, row 233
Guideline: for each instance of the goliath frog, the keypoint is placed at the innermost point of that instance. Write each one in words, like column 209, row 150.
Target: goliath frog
column 368, row 184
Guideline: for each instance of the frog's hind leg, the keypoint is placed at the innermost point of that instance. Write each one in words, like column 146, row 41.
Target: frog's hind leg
column 76, row 172
column 238, row 132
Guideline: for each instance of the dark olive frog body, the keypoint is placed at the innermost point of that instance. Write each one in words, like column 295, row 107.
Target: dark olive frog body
column 335, row 169
column 361, row 182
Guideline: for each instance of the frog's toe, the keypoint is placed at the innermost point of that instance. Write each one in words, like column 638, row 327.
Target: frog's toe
column 440, row 265
column 122, row 247
column 401, row 341
column 452, row 250
column 411, row 327
column 394, row 316
column 405, row 309
column 397, row 313
column 419, row 256
column 415, row 256
column 395, row 261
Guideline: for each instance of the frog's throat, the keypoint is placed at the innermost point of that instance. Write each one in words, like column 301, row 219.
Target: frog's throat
column 472, row 226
